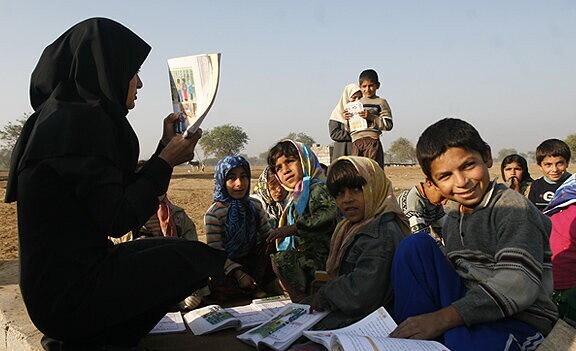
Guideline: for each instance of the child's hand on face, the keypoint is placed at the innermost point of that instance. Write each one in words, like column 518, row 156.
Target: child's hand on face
column 514, row 184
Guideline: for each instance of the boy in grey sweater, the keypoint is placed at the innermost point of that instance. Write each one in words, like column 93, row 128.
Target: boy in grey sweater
column 491, row 288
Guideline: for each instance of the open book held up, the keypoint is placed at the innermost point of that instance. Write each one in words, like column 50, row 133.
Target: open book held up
column 370, row 334
column 193, row 84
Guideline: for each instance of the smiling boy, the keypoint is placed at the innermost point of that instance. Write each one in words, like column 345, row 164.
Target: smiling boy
column 491, row 288
column 552, row 157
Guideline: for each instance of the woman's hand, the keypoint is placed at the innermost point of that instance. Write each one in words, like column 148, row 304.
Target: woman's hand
column 168, row 130
column 179, row 149
column 282, row 232
column 245, row 281
column 347, row 114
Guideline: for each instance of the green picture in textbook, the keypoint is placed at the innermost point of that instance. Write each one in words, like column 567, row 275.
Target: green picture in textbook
column 279, row 322
column 216, row 315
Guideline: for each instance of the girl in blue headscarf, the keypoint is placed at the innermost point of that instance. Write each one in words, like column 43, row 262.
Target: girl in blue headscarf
column 239, row 225
column 308, row 220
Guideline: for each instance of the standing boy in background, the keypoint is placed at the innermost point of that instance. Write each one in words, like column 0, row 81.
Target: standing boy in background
column 491, row 287
column 552, row 157
column 366, row 142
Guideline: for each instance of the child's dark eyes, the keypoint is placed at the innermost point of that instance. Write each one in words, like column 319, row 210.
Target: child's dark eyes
column 242, row 177
column 341, row 192
column 442, row 177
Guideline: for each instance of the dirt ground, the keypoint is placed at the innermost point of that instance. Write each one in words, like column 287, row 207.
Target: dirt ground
column 193, row 192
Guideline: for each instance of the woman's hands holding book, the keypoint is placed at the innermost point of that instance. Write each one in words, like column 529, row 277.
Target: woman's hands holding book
column 177, row 149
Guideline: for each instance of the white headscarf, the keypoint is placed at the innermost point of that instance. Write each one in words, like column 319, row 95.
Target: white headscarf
column 338, row 112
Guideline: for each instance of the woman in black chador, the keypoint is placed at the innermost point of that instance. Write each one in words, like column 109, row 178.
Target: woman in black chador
column 73, row 175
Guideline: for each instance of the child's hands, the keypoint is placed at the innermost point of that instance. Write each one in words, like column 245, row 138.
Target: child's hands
column 315, row 304
column 245, row 281
column 428, row 326
column 363, row 114
column 281, row 232
column 513, row 183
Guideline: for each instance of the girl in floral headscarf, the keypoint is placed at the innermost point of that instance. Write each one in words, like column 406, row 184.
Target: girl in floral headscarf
column 239, row 225
column 307, row 222
column 363, row 243
column 271, row 194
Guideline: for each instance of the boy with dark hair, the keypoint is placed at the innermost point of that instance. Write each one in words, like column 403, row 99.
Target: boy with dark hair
column 553, row 158
column 491, row 288
column 366, row 141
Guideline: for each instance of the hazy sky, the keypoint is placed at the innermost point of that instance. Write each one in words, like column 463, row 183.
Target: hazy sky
column 508, row 67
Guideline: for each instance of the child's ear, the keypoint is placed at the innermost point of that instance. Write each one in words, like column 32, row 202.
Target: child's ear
column 378, row 85
column 430, row 183
column 488, row 157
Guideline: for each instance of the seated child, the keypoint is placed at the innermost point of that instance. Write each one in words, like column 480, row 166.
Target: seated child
column 553, row 157
column 362, row 245
column 423, row 205
column 271, row 194
column 338, row 123
column 307, row 223
column 490, row 289
column 562, row 212
column 515, row 173
column 238, row 224
column 169, row 220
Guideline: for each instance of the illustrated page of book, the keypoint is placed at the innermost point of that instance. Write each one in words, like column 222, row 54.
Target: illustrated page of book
column 249, row 315
column 210, row 318
column 285, row 327
column 273, row 307
column 272, row 298
column 172, row 322
column 356, row 122
column 194, row 82
column 364, row 343
column 377, row 324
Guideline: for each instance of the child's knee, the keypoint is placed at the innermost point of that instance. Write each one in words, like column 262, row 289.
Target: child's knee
column 416, row 243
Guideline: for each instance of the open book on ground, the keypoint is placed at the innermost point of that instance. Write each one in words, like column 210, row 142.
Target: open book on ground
column 370, row 334
column 172, row 322
column 213, row 318
column 193, row 84
column 285, row 327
